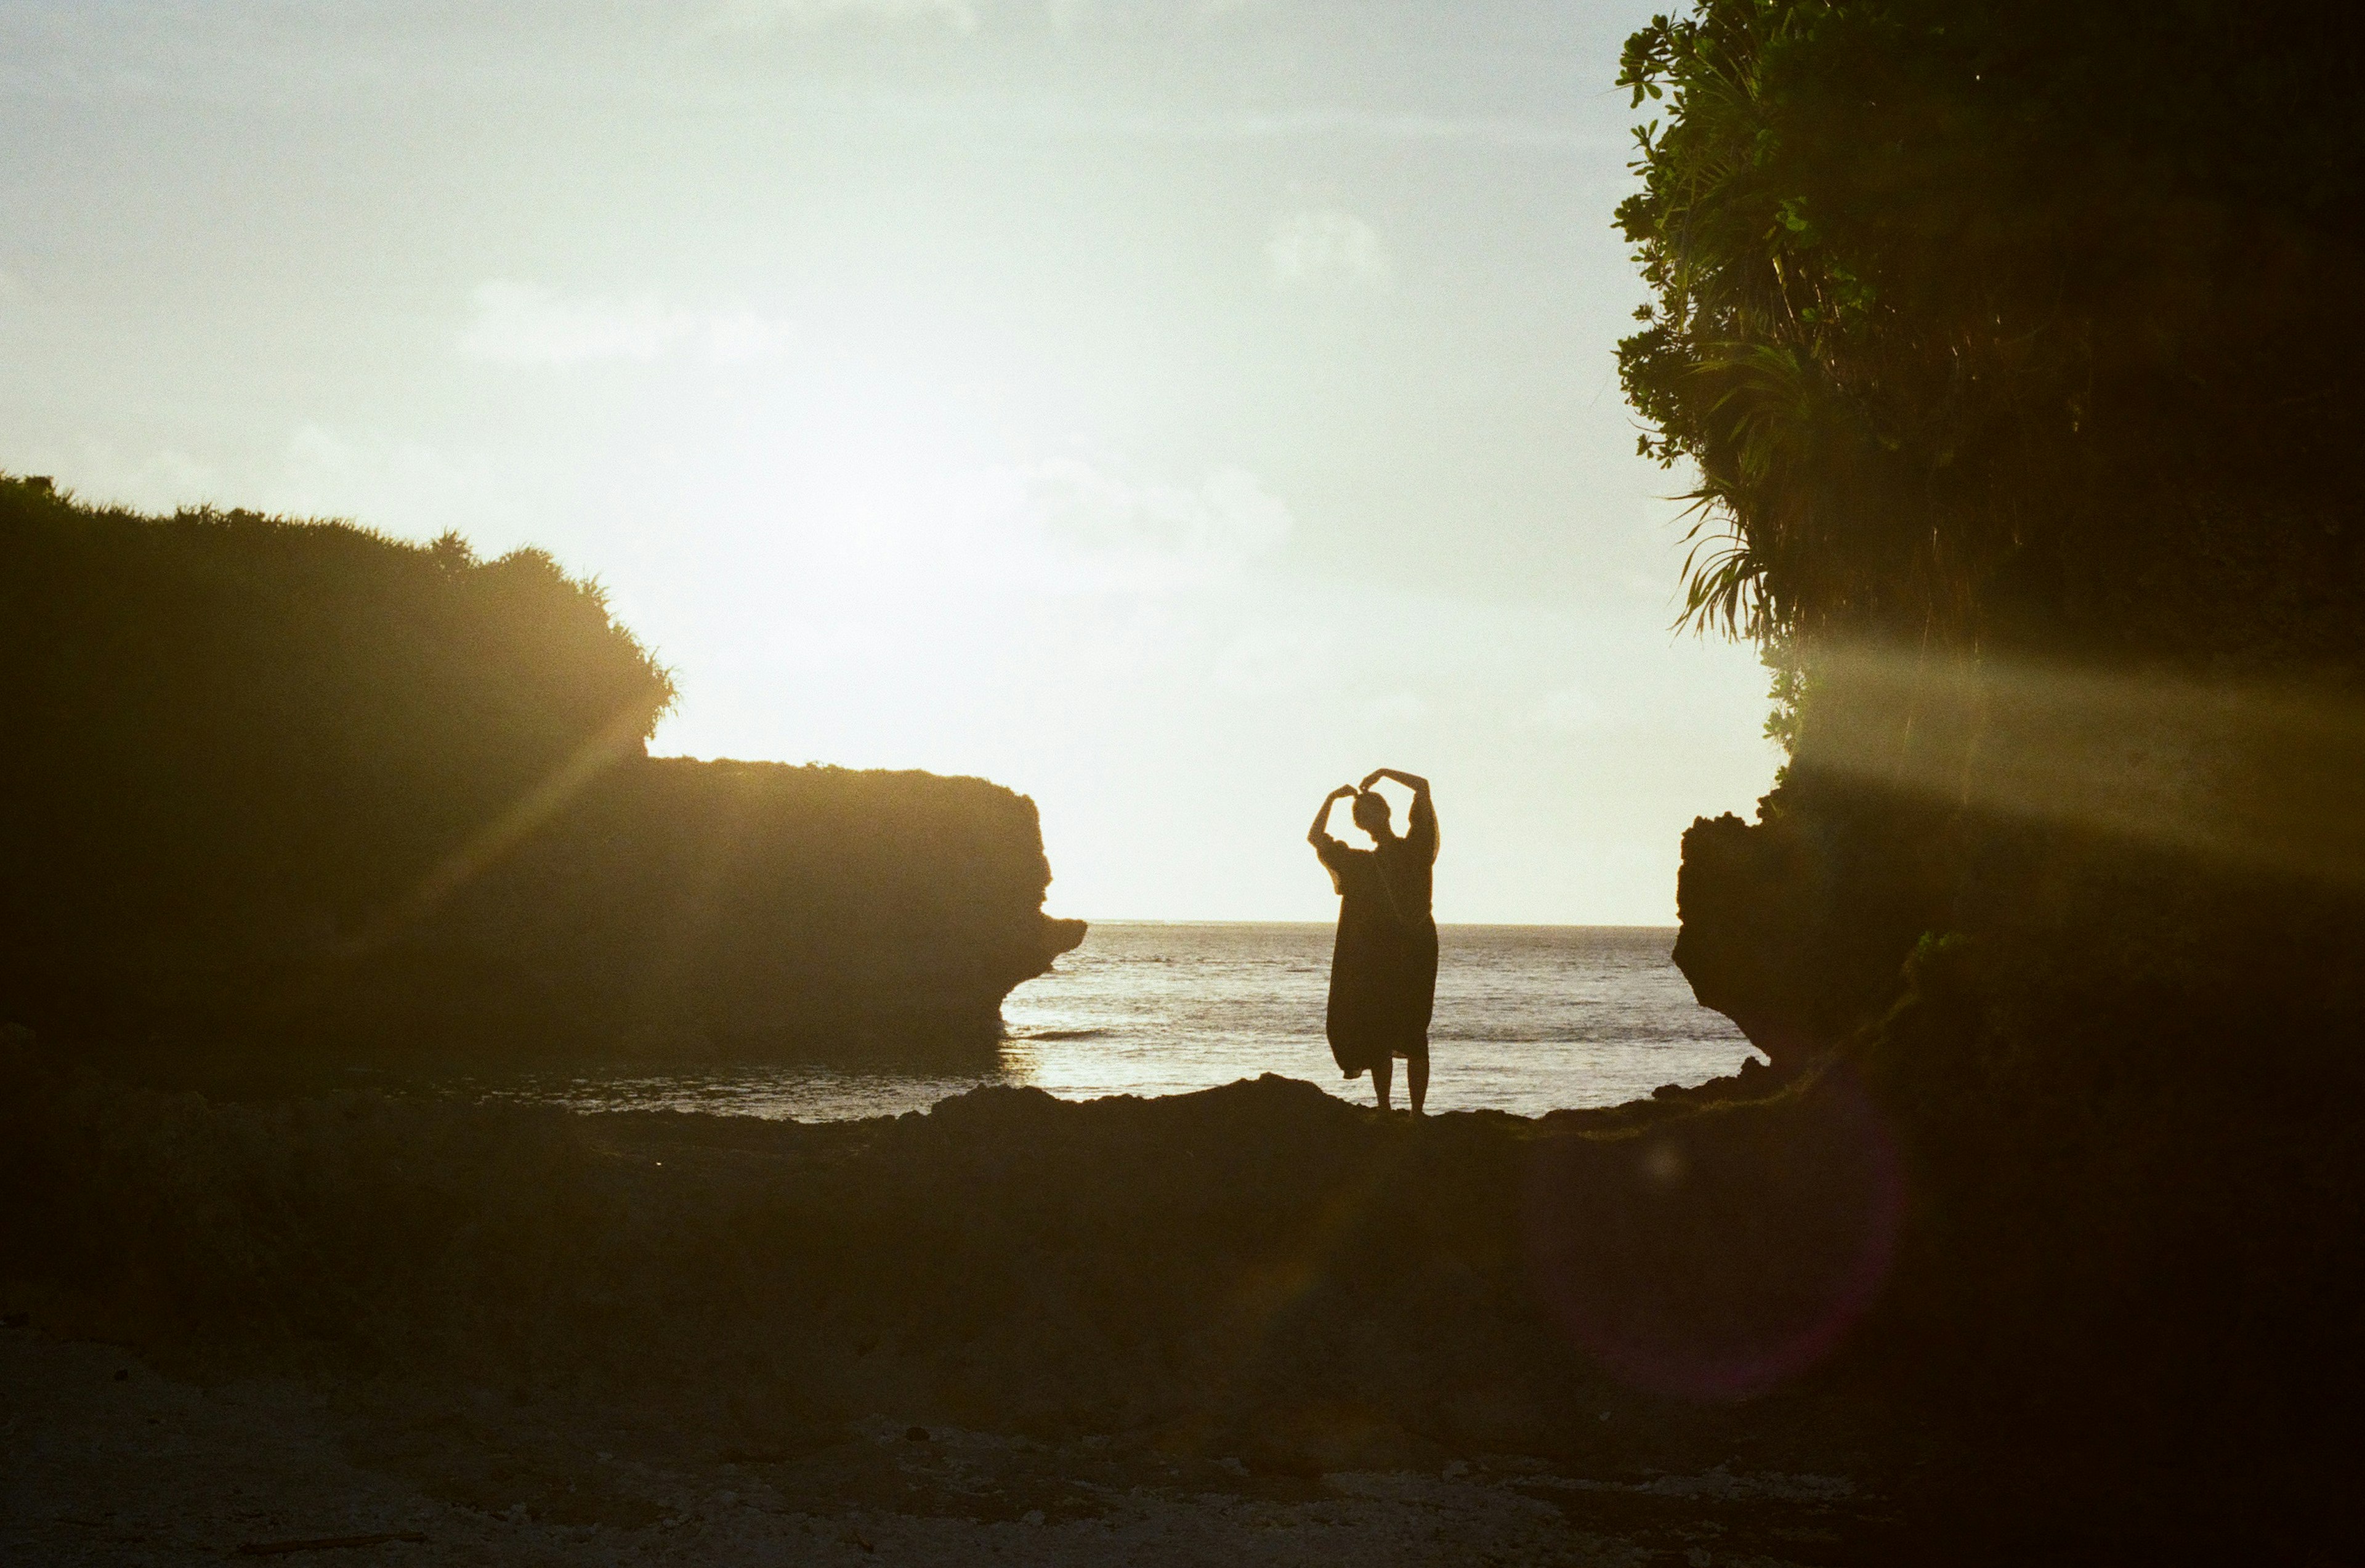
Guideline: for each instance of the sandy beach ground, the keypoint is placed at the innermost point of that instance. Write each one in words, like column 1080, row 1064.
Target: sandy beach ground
column 109, row 1462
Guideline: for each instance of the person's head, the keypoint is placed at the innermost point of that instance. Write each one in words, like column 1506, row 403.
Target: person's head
column 1371, row 810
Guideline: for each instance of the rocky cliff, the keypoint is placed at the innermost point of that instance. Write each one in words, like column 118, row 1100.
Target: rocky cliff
column 294, row 783
column 1999, row 345
column 676, row 907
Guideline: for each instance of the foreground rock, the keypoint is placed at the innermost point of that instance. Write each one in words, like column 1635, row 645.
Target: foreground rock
column 1253, row 1288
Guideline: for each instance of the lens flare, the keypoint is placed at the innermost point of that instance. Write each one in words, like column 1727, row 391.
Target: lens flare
column 1719, row 1256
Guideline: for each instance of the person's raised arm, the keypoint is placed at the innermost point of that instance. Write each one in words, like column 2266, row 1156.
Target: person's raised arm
column 1422, row 829
column 1412, row 781
column 1319, row 833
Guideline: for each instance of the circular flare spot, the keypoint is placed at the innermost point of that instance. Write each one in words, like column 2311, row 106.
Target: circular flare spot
column 1718, row 1255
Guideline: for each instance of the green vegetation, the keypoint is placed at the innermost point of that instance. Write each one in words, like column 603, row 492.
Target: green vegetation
column 2009, row 324
column 2013, row 346
column 273, row 780
column 220, row 715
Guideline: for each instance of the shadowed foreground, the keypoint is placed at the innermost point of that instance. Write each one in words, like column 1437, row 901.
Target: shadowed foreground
column 1165, row 1326
column 153, row 1470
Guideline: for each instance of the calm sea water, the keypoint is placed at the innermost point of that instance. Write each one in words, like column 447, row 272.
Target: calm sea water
column 1529, row 1019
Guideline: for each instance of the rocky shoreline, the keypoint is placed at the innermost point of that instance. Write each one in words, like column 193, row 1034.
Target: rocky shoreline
column 1249, row 1323
column 1254, row 1325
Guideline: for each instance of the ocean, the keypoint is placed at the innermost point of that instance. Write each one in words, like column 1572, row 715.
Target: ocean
column 1529, row 1019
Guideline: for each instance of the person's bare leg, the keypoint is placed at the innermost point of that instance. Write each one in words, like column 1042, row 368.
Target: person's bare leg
column 1383, row 1076
column 1416, row 1082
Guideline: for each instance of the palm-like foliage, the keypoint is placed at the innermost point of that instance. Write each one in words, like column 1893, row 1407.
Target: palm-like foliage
column 1998, row 319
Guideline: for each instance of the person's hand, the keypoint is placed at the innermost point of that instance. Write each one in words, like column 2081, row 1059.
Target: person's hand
column 1374, row 777
column 1343, row 791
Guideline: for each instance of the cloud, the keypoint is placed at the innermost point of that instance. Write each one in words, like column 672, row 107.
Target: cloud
column 959, row 15
column 1315, row 249
column 1068, row 15
column 1393, row 711
column 1568, row 711
column 102, row 473
column 388, row 481
column 1106, row 532
column 520, row 323
column 738, row 337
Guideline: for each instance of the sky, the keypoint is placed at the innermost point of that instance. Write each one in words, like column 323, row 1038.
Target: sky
column 1170, row 409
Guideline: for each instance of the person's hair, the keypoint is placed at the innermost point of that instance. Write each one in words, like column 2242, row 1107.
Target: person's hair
column 1371, row 811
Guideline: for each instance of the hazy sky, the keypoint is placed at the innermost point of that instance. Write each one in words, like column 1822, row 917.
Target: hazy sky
column 1171, row 408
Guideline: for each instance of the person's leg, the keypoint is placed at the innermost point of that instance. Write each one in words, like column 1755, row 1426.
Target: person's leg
column 1383, row 1074
column 1417, row 1080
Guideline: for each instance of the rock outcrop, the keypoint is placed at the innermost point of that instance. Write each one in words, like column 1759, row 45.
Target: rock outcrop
column 290, row 784
column 1795, row 926
column 1261, row 1275
column 1260, row 1269
column 720, row 909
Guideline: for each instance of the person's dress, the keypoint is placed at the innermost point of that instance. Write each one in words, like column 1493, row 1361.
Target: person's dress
column 1383, row 967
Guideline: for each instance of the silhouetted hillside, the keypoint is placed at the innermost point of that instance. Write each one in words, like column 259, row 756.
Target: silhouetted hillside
column 296, row 782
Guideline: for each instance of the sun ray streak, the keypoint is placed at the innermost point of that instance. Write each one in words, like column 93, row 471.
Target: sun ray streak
column 619, row 739
column 2251, row 777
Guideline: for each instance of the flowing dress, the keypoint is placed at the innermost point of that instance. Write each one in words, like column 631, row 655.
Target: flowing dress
column 1383, row 967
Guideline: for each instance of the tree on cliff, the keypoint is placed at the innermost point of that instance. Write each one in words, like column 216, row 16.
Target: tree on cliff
column 2009, row 321
column 2013, row 346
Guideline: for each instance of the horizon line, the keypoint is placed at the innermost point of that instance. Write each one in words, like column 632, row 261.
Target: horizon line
column 1474, row 924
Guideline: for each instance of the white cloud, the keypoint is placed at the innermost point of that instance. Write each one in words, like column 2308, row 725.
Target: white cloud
column 959, row 14
column 1068, row 15
column 520, row 323
column 1395, row 711
column 1568, row 711
column 740, row 336
column 1320, row 248
column 1066, row 527
column 384, row 481
column 105, row 474
column 1120, row 533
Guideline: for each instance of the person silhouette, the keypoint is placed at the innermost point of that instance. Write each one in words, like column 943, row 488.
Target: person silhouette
column 1383, row 965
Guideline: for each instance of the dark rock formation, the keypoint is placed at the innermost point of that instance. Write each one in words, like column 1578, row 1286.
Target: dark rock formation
column 1260, row 1274
column 1261, row 1270
column 2122, row 1088
column 292, row 784
column 1738, row 895
column 724, row 908
column 1795, row 926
